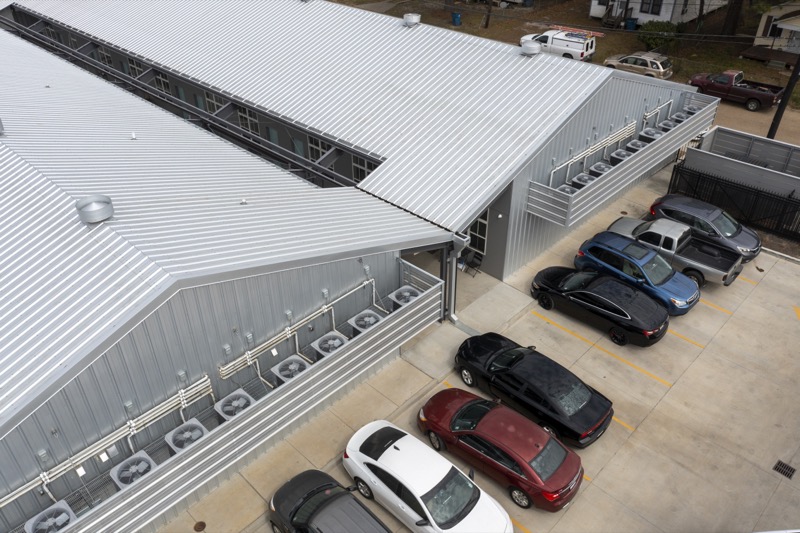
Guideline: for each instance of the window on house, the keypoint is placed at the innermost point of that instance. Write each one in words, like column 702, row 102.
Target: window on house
column 214, row 103
column 162, row 82
column 199, row 102
column 317, row 148
column 136, row 68
column 774, row 30
column 651, row 6
column 248, row 120
column 362, row 168
column 477, row 233
column 767, row 26
column 104, row 56
column 272, row 135
column 181, row 94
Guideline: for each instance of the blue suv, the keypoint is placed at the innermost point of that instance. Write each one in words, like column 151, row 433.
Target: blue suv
column 641, row 267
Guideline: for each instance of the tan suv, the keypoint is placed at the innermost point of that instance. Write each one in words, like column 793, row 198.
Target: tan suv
column 645, row 63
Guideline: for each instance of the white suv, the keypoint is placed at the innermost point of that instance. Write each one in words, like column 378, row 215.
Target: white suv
column 425, row 491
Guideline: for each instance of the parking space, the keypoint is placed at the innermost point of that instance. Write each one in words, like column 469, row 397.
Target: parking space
column 700, row 418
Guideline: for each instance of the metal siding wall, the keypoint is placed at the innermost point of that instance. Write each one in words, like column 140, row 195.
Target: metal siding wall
column 187, row 333
column 620, row 97
column 741, row 172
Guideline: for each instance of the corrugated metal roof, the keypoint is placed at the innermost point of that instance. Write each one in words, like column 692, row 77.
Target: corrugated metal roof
column 454, row 115
column 179, row 219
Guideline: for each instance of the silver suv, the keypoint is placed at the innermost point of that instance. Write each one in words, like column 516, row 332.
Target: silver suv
column 645, row 63
column 709, row 222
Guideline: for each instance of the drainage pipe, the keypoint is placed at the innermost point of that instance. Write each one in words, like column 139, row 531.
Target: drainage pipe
column 460, row 242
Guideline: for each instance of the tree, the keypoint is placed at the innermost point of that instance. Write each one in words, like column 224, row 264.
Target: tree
column 657, row 33
column 732, row 17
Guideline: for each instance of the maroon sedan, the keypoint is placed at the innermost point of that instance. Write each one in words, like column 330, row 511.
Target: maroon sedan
column 513, row 450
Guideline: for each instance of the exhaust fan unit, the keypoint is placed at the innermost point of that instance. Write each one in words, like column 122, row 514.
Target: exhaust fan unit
column 55, row 518
column 290, row 368
column 233, row 404
column 649, row 135
column 598, row 169
column 582, row 180
column 364, row 320
column 666, row 125
column 329, row 343
column 132, row 470
column 185, row 435
column 566, row 189
column 404, row 295
column 635, row 145
column 618, row 156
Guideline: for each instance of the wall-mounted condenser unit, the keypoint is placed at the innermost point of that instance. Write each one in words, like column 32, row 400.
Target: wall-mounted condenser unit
column 233, row 404
column 599, row 168
column 691, row 109
column 635, row 145
column 132, row 470
column 566, row 189
column 649, row 135
column 618, row 156
column 666, row 125
column 55, row 518
column 290, row 368
column 364, row 320
column 582, row 180
column 404, row 295
column 185, row 435
column 679, row 117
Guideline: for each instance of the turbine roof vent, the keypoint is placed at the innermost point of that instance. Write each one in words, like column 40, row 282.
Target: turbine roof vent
column 94, row 208
column 411, row 19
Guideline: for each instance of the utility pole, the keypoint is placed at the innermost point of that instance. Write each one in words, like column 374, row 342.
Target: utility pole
column 488, row 14
column 787, row 94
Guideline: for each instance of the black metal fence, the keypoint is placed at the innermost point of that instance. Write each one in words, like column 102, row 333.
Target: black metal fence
column 754, row 207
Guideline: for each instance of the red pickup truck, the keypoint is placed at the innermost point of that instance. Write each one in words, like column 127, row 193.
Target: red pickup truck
column 731, row 85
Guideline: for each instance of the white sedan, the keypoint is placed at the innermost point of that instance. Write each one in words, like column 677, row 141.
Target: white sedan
column 425, row 491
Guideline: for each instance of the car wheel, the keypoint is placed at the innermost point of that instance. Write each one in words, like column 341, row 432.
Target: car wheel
column 552, row 432
column 275, row 529
column 519, row 497
column 753, row 105
column 364, row 489
column 568, row 56
column 545, row 301
column 695, row 276
column 467, row 378
column 436, row 441
column 618, row 337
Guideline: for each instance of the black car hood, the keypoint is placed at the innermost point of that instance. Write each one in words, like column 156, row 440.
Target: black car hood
column 552, row 276
column 480, row 348
column 289, row 495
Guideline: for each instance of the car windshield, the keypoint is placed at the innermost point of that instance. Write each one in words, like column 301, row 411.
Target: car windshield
column 471, row 414
column 548, row 461
column 658, row 270
column 726, row 224
column 451, row 499
column 641, row 228
column 506, row 360
column 310, row 503
column 577, row 281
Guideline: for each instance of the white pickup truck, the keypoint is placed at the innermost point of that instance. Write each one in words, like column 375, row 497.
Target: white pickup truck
column 698, row 259
column 571, row 44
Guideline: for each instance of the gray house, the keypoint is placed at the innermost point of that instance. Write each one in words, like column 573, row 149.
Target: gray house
column 160, row 278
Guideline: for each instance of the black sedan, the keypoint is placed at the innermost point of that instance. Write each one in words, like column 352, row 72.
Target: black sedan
column 625, row 312
column 536, row 386
column 314, row 501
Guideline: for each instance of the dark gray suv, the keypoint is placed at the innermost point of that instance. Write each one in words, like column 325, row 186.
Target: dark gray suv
column 709, row 222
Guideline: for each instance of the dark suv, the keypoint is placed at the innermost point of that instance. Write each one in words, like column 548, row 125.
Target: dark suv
column 314, row 501
column 709, row 222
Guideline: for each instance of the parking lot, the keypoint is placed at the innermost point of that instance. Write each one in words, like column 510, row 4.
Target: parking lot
column 701, row 418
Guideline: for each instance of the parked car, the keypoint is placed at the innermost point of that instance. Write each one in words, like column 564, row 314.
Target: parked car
column 731, row 85
column 640, row 267
column 709, row 222
column 571, row 44
column 701, row 261
column 425, row 491
column 536, row 386
column 646, row 63
column 625, row 312
column 535, row 467
column 314, row 501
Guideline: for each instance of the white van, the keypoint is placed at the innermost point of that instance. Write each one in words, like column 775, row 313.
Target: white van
column 571, row 44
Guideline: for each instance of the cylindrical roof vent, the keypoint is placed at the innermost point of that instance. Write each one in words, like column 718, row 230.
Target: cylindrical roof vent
column 531, row 48
column 411, row 19
column 94, row 208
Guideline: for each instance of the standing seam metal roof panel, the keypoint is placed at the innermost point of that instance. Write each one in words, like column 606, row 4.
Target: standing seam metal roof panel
column 454, row 115
column 69, row 289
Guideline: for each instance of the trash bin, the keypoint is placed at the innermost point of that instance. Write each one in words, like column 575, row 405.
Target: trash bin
column 630, row 23
column 456, row 18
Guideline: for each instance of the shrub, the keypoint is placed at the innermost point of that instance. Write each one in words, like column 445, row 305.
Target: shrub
column 657, row 33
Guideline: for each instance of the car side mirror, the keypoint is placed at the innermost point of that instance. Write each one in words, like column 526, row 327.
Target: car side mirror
column 472, row 474
column 422, row 523
column 532, row 348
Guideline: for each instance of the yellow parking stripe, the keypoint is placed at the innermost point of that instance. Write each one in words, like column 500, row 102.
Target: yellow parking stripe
column 623, row 424
column 446, row 384
column 687, row 339
column 612, row 354
column 587, row 478
column 715, row 306
column 748, row 280
column 797, row 311
column 520, row 526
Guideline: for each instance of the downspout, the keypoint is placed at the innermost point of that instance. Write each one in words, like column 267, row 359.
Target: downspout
column 459, row 243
